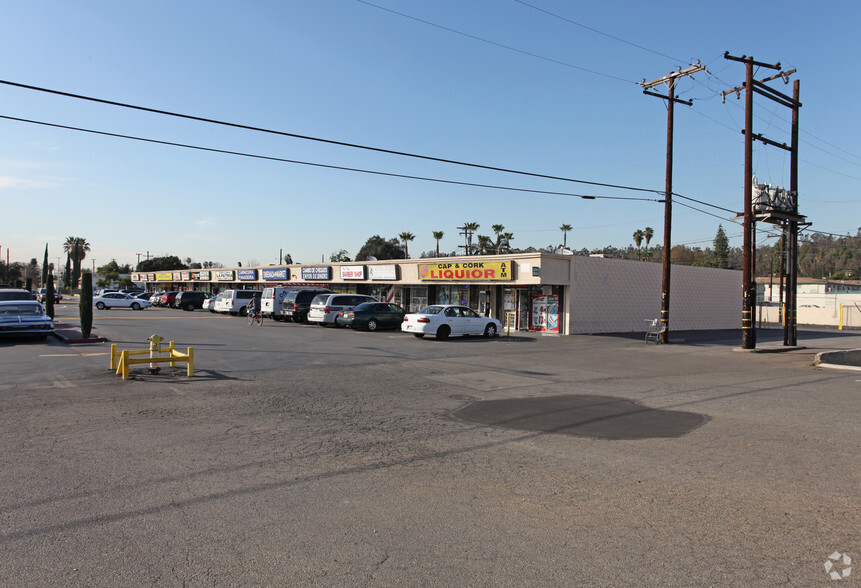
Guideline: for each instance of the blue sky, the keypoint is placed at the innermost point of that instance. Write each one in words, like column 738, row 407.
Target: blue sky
column 542, row 86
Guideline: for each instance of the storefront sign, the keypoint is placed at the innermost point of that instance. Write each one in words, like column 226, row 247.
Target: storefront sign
column 352, row 272
column 137, row 278
column 177, row 276
column 317, row 272
column 224, row 275
column 247, row 275
column 545, row 313
column 281, row 273
column 471, row 271
column 186, row 276
column 164, row 276
column 150, row 277
column 383, row 272
column 203, row 275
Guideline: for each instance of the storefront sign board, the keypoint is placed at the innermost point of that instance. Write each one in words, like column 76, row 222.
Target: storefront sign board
column 472, row 271
column 281, row 273
column 317, row 272
column 383, row 272
column 224, row 275
column 352, row 272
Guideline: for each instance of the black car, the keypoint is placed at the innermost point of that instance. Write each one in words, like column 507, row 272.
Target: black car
column 372, row 316
column 190, row 300
column 296, row 303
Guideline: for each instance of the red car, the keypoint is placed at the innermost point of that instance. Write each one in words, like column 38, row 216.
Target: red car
column 168, row 299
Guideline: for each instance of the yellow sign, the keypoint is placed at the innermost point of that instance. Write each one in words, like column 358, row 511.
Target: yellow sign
column 469, row 271
column 164, row 277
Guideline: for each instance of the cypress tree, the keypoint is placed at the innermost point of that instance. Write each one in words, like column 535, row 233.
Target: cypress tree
column 49, row 295
column 85, row 306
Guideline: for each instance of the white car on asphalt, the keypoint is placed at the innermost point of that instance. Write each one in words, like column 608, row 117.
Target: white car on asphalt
column 443, row 320
column 119, row 300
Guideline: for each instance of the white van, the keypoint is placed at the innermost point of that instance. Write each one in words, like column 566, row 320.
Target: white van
column 272, row 299
column 235, row 301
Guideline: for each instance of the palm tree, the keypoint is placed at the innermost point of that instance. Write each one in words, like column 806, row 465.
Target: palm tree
column 497, row 229
column 638, row 239
column 77, row 248
column 507, row 237
column 648, row 234
column 438, row 235
column 468, row 230
column 406, row 237
column 485, row 245
column 565, row 228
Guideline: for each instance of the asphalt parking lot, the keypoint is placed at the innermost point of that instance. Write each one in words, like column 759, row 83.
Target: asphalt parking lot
column 299, row 455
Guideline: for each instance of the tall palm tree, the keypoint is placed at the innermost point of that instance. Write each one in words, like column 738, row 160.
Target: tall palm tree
column 469, row 229
column 497, row 229
column 438, row 235
column 648, row 233
column 406, row 237
column 638, row 239
column 565, row 228
column 77, row 248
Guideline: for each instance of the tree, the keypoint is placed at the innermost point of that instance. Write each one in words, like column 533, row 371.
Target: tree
column 497, row 229
column 342, row 255
column 565, row 228
column 168, row 262
column 380, row 248
column 648, row 233
column 44, row 281
column 288, row 259
column 437, row 235
column 67, row 275
column 485, row 245
column 77, row 248
column 85, row 304
column 506, row 239
column 638, row 239
column 468, row 230
column 406, row 237
column 720, row 256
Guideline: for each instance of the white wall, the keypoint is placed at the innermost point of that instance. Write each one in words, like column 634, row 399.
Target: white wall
column 615, row 296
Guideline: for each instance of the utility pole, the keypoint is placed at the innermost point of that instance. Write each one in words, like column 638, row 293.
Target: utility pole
column 671, row 99
column 767, row 212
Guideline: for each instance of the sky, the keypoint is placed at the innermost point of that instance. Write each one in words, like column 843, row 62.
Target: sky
column 545, row 87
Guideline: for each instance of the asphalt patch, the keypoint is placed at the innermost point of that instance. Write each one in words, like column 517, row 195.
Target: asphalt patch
column 601, row 417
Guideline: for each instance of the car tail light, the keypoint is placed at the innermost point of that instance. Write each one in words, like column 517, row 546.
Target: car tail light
column 327, row 310
column 423, row 319
column 349, row 314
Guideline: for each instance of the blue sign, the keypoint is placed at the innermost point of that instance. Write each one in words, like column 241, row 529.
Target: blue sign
column 320, row 272
column 247, row 275
column 282, row 273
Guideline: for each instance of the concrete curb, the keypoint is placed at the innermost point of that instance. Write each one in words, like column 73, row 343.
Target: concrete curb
column 849, row 359
column 74, row 336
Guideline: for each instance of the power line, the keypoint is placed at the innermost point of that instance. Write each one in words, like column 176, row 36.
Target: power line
column 495, row 44
column 323, row 165
column 320, row 140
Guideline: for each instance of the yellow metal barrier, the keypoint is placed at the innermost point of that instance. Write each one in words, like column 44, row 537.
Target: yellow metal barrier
column 121, row 360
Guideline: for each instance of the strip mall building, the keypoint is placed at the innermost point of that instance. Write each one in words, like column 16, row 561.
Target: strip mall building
column 549, row 293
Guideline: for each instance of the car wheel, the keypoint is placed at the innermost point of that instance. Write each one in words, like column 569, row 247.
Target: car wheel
column 189, row 306
column 243, row 311
column 136, row 306
column 490, row 330
column 100, row 305
column 443, row 332
column 418, row 335
column 372, row 325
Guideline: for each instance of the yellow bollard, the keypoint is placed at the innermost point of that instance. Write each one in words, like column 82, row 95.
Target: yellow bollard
column 113, row 356
column 190, row 362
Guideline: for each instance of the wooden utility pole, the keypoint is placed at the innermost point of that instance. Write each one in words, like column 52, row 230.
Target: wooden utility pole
column 671, row 99
column 774, row 215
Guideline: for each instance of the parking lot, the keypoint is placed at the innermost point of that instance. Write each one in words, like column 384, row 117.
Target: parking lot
column 303, row 455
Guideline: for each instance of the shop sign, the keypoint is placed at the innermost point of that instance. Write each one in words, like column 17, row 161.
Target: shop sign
column 137, row 278
column 186, row 276
column 150, row 277
column 194, row 275
column 177, row 276
column 468, row 271
column 246, row 275
column 204, row 275
column 164, row 276
column 224, row 275
column 383, row 272
column 352, row 272
column 545, row 313
column 281, row 273
column 317, row 272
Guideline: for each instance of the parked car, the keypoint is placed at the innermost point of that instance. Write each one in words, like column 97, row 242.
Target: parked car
column 443, row 320
column 372, row 316
column 24, row 318
column 155, row 299
column 190, row 299
column 213, row 302
column 119, row 300
column 43, row 296
column 15, row 294
column 325, row 307
column 297, row 303
column 143, row 295
column 207, row 304
column 167, row 298
column 132, row 291
column 236, row 301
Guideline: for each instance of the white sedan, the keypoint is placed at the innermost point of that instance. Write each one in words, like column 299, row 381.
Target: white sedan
column 443, row 320
column 119, row 300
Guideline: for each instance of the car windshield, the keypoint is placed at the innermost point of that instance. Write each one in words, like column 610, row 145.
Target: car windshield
column 21, row 309
column 431, row 310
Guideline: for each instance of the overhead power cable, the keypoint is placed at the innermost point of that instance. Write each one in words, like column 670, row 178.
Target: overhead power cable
column 321, row 140
column 495, row 44
column 323, row 165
